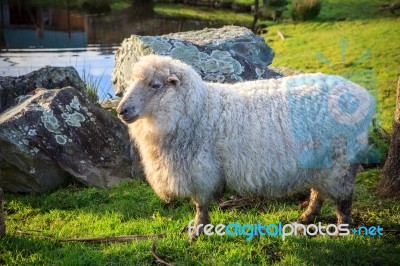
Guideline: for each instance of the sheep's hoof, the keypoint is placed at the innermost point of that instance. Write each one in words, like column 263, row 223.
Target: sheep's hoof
column 300, row 230
column 192, row 235
column 184, row 229
column 193, row 238
column 306, row 219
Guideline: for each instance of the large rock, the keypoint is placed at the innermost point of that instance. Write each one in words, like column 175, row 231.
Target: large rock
column 13, row 89
column 58, row 134
column 227, row 54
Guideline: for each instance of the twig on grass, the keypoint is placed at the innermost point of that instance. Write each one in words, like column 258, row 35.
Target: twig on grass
column 239, row 203
column 97, row 240
column 158, row 259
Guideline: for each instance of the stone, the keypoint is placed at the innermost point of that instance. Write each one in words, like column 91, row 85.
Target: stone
column 56, row 135
column 227, row 55
column 2, row 219
column 15, row 89
column 137, row 167
column 285, row 71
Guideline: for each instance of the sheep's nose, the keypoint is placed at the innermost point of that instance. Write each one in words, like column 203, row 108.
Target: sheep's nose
column 122, row 110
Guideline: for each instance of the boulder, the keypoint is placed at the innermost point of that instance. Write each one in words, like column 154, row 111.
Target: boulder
column 2, row 219
column 229, row 54
column 56, row 135
column 14, row 89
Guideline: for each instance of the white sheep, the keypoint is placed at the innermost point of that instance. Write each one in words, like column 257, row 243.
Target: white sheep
column 265, row 138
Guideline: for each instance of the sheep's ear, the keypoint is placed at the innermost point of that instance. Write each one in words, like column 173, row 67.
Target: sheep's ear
column 173, row 79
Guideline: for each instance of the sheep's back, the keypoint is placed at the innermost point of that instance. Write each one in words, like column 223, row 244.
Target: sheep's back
column 277, row 135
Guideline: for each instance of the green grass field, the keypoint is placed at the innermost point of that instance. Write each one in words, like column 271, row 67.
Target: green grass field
column 132, row 208
column 347, row 48
column 350, row 38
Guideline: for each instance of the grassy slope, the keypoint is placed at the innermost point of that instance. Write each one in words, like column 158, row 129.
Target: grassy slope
column 132, row 208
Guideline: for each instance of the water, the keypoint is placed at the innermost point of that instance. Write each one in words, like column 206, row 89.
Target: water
column 86, row 42
column 92, row 63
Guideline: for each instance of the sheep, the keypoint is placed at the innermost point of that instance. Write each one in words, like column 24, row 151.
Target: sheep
column 264, row 138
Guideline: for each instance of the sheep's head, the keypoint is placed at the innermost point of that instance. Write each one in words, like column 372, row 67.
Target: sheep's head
column 152, row 77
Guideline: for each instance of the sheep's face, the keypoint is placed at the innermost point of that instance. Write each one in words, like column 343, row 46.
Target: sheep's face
column 145, row 93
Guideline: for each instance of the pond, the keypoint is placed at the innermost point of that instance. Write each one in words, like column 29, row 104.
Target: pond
column 32, row 37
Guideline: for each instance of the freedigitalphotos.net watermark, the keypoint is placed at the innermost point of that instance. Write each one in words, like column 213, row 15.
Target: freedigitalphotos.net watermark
column 342, row 107
column 281, row 230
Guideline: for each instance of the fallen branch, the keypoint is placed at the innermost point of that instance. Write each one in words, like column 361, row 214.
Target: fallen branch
column 112, row 239
column 238, row 203
column 97, row 240
column 158, row 259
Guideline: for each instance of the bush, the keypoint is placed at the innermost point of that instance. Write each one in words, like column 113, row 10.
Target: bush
column 277, row 3
column 379, row 140
column 303, row 10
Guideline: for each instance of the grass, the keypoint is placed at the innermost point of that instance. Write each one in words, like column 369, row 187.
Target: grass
column 133, row 208
column 351, row 38
column 371, row 55
column 120, row 5
column 354, row 9
column 203, row 13
column 92, row 86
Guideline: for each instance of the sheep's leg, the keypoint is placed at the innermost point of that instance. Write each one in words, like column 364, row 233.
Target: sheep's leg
column 343, row 210
column 344, row 204
column 314, row 207
column 201, row 220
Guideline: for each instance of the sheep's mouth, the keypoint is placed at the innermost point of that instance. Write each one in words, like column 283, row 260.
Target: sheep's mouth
column 128, row 119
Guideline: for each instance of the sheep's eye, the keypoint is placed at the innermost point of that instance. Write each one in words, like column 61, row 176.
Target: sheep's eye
column 155, row 85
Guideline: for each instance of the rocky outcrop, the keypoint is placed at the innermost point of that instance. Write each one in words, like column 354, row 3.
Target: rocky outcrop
column 14, row 90
column 56, row 135
column 229, row 54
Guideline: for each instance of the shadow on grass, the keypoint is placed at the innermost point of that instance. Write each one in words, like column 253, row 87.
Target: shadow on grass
column 25, row 250
column 353, row 10
column 131, row 199
column 347, row 250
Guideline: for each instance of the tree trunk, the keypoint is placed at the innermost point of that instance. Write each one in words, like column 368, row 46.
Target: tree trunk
column 2, row 220
column 141, row 9
column 68, row 20
column 255, row 19
column 390, row 182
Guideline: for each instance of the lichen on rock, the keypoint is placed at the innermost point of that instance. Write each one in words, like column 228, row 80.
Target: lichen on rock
column 75, row 103
column 61, row 139
column 14, row 90
column 73, row 119
column 50, row 122
column 44, row 139
column 229, row 54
